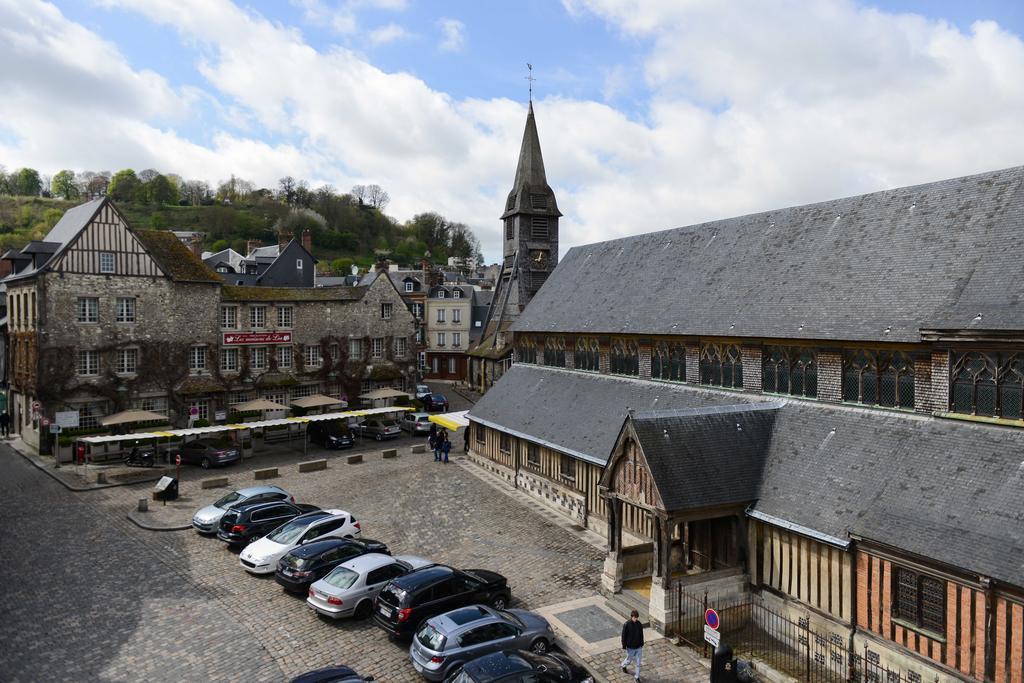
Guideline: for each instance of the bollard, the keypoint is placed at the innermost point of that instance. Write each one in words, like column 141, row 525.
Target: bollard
column 389, row 453
column 265, row 473
column 143, row 505
column 353, row 459
column 101, row 477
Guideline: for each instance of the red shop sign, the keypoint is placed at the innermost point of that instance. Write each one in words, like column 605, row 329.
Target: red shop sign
column 257, row 338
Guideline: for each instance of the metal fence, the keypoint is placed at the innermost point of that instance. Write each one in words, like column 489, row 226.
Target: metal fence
column 791, row 647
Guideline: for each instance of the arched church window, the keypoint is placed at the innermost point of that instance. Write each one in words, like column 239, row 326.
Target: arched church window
column 668, row 361
column 625, row 357
column 721, row 365
column 789, row 370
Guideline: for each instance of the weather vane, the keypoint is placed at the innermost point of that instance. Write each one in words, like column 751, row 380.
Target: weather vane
column 531, row 79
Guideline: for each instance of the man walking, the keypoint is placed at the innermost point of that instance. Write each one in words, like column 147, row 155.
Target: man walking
column 439, row 444
column 5, row 424
column 446, row 446
column 633, row 643
column 465, row 436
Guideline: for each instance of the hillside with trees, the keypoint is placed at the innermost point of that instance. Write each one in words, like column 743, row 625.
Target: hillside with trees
column 347, row 228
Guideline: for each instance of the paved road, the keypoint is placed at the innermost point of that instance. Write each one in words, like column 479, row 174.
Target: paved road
column 88, row 596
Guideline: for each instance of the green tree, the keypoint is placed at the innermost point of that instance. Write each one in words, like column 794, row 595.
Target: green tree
column 341, row 266
column 123, row 185
column 29, row 183
column 160, row 190
column 219, row 245
column 63, row 185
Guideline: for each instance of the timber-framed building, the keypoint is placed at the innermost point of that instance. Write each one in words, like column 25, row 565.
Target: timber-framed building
column 819, row 405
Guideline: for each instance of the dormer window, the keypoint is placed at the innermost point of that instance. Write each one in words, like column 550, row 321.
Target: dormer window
column 408, row 287
column 106, row 262
column 456, row 294
column 440, row 294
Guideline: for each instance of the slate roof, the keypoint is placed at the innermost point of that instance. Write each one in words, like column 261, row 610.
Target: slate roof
column 531, row 400
column 530, row 175
column 244, row 293
column 175, row 258
column 73, row 221
column 703, row 457
column 877, row 267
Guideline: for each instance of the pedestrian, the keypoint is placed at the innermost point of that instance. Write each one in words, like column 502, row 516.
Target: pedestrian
column 633, row 643
column 465, row 437
column 5, row 424
column 438, row 445
column 433, row 433
column 445, row 447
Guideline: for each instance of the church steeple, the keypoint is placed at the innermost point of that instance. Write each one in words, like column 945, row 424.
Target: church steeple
column 530, row 177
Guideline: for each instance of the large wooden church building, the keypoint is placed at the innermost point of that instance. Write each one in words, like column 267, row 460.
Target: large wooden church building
column 821, row 406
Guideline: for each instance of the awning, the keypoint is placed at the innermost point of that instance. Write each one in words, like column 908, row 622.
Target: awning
column 451, row 421
column 317, row 400
column 258, row 404
column 378, row 394
column 126, row 416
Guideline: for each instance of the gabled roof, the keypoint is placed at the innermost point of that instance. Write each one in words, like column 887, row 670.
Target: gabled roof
column 175, row 258
column 875, row 267
column 74, row 220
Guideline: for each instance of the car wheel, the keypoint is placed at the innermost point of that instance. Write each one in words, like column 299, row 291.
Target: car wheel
column 540, row 646
column 499, row 602
column 379, row 437
column 205, row 463
column 363, row 610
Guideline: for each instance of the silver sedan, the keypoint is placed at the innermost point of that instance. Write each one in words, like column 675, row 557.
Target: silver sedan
column 207, row 519
column 351, row 587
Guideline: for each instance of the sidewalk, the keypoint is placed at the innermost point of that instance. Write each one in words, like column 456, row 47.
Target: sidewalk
column 85, row 477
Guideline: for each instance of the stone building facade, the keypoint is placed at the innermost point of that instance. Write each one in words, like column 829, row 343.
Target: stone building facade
column 448, row 319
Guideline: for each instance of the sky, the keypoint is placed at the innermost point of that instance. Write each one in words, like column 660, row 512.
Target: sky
column 652, row 114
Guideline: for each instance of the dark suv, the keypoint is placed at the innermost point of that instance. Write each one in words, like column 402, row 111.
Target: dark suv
column 409, row 600
column 309, row 563
column 242, row 525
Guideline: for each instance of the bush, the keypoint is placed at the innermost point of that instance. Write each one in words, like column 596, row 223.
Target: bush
column 201, row 422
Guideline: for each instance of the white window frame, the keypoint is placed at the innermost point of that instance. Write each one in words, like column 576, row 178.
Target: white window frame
column 456, row 340
column 385, row 311
column 311, row 356
column 107, row 262
column 355, row 349
column 456, row 293
column 408, row 287
column 88, row 363
column 229, row 317
column 258, row 358
column 203, row 407
column 452, row 367
column 298, row 264
column 229, row 360
column 197, row 359
column 257, row 317
column 440, row 294
column 285, row 316
column 87, row 310
column 440, row 315
column 401, row 347
column 127, row 361
column 456, row 315
column 377, row 347
column 125, row 309
column 285, row 356
column 441, row 339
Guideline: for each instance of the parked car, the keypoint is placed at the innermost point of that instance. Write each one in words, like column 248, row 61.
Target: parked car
column 311, row 562
column 447, row 641
column 515, row 666
column 331, row 674
column 422, row 391
column 207, row 519
column 261, row 556
column 409, row 600
column 378, row 428
column 243, row 524
column 436, row 402
column 351, row 587
column 330, row 434
column 416, row 423
column 208, row 452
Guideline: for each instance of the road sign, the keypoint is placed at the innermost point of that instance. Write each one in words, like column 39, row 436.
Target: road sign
column 177, row 459
column 36, row 405
column 220, row 415
column 67, row 419
column 45, row 421
column 194, row 411
column 55, row 428
column 711, row 618
column 712, row 636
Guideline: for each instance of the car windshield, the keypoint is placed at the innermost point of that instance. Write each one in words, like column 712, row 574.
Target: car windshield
column 228, row 499
column 295, row 562
column 289, row 532
column 430, row 638
column 423, row 418
column 341, row 577
column 388, row 423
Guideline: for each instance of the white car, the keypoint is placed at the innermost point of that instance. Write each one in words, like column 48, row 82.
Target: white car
column 351, row 586
column 261, row 557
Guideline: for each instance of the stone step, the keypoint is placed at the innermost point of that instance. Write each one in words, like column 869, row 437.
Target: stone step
column 626, row 601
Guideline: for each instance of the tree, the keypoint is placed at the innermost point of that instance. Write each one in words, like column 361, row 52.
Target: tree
column 147, row 175
column 195, row 192
column 160, row 190
column 360, row 192
column 123, row 185
column 29, row 183
column 64, row 186
column 286, row 191
column 377, row 197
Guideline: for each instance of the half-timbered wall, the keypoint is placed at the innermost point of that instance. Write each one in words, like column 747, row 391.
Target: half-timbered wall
column 1009, row 640
column 798, row 567
column 961, row 644
column 107, row 233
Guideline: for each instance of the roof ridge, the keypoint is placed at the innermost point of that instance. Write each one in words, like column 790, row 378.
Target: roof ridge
column 709, row 410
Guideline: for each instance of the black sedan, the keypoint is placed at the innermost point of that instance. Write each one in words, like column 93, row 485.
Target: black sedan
column 331, row 674
column 242, row 525
column 521, row 665
column 309, row 563
column 330, row 435
column 436, row 402
column 208, row 452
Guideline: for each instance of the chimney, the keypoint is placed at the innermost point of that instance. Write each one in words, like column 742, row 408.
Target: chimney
column 252, row 245
column 283, row 238
column 307, row 241
column 197, row 246
column 382, row 266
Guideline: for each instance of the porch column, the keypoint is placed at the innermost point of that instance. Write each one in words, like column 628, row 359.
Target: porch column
column 611, row 577
column 662, row 604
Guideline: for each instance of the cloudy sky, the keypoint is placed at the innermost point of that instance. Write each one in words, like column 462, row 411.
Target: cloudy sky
column 652, row 113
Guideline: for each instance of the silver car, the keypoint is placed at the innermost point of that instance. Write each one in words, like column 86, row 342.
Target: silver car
column 351, row 587
column 446, row 642
column 416, row 423
column 207, row 520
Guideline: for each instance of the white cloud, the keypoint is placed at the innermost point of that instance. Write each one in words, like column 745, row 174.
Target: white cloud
column 753, row 106
column 388, row 34
column 452, row 35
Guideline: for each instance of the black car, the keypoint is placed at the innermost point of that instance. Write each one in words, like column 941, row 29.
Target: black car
column 409, row 600
column 309, row 563
column 331, row 674
column 242, row 525
column 209, row 452
column 435, row 402
column 515, row 666
column 330, row 434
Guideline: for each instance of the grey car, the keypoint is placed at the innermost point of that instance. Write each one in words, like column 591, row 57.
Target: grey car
column 416, row 423
column 351, row 586
column 207, row 519
column 446, row 642
column 378, row 428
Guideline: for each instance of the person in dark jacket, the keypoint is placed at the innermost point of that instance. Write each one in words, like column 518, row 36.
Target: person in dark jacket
column 446, row 447
column 633, row 643
column 465, row 436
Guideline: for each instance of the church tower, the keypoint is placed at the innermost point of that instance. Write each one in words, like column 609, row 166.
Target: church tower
column 530, row 227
